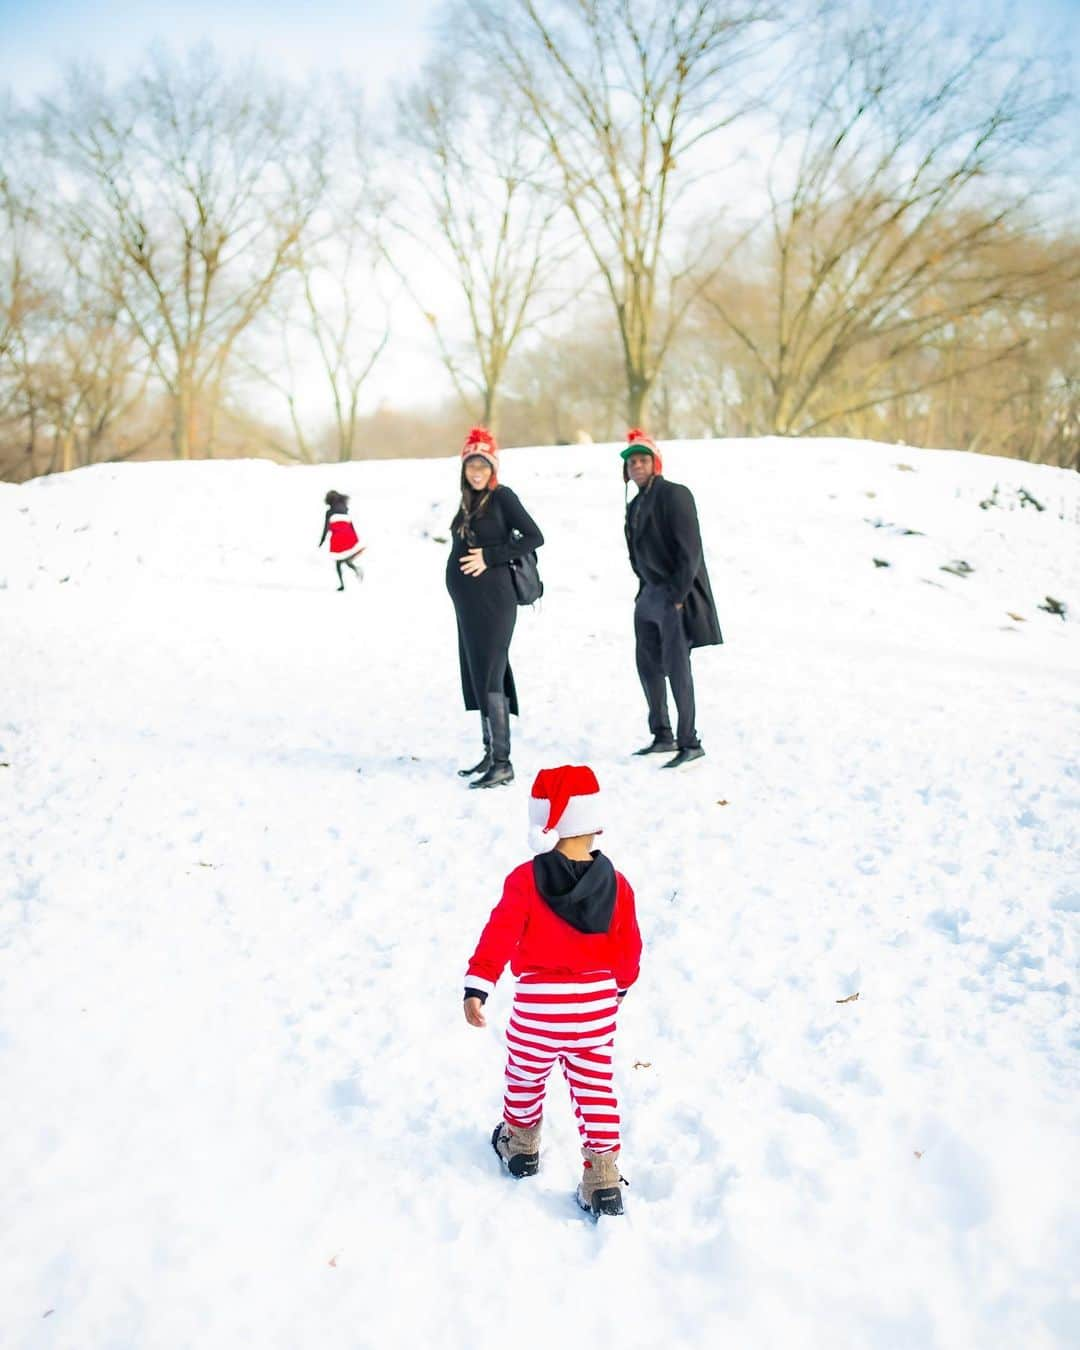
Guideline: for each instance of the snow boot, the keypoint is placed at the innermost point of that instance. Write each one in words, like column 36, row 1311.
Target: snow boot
column 518, row 1149
column 485, row 762
column 599, row 1192
column 501, row 770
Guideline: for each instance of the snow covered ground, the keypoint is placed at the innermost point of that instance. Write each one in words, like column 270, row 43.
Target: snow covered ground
column 240, row 880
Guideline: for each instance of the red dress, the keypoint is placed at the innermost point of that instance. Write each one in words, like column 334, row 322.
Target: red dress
column 343, row 538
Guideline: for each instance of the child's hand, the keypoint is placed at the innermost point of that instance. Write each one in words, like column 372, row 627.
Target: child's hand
column 474, row 1013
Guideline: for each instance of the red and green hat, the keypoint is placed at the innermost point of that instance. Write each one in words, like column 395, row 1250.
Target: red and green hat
column 480, row 444
column 637, row 443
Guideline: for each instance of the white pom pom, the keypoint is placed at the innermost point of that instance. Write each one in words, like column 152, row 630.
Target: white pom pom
column 541, row 841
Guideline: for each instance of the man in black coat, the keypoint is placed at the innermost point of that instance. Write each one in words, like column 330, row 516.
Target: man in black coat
column 674, row 610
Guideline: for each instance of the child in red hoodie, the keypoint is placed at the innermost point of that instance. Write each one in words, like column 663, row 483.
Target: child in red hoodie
column 567, row 925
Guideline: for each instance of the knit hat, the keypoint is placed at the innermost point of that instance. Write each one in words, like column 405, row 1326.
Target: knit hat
column 565, row 802
column 637, row 443
column 480, row 444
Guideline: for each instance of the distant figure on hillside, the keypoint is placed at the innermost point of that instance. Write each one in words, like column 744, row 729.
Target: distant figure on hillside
column 674, row 610
column 490, row 529
column 345, row 547
column 567, row 925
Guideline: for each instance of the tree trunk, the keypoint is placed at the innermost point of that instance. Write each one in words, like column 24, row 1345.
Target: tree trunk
column 637, row 400
column 183, row 422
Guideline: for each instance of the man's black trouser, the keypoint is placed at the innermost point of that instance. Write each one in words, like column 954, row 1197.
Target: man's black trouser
column 663, row 653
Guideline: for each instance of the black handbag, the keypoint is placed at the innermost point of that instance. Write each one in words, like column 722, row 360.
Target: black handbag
column 525, row 574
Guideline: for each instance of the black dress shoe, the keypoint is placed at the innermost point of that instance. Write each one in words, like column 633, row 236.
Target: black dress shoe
column 500, row 773
column 659, row 746
column 685, row 756
column 482, row 767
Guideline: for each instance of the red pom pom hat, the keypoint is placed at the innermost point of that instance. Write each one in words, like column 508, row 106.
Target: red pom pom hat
column 480, row 444
column 637, row 443
column 565, row 802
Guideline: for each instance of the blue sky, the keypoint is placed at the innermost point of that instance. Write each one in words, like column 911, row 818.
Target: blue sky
column 378, row 40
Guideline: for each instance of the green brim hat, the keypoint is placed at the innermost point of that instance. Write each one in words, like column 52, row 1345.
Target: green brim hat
column 637, row 443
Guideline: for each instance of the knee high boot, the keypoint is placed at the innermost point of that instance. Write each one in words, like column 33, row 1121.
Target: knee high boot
column 501, row 771
column 485, row 762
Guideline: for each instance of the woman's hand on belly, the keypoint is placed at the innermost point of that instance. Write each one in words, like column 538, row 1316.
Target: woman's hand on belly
column 473, row 562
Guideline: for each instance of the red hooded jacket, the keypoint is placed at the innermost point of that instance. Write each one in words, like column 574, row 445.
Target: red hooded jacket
column 524, row 930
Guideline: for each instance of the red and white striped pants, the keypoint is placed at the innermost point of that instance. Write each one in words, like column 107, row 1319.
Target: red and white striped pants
column 570, row 1020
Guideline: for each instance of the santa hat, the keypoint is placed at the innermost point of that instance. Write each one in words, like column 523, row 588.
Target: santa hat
column 480, row 444
column 565, row 802
column 637, row 443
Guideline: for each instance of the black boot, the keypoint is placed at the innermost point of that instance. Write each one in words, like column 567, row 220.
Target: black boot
column 660, row 745
column 485, row 763
column 501, row 771
column 686, row 755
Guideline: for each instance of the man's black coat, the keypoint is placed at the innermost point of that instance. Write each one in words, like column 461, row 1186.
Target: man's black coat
column 664, row 540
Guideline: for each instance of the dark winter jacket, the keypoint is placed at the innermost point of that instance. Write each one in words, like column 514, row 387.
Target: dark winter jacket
column 664, row 541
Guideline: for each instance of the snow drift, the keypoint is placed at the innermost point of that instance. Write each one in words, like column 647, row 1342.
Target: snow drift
column 241, row 880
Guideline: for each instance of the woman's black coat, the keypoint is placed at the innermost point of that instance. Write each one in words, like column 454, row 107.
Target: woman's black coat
column 664, row 540
column 486, row 606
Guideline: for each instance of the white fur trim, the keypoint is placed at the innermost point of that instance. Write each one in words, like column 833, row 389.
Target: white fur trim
column 475, row 982
column 338, row 518
column 539, row 842
column 582, row 815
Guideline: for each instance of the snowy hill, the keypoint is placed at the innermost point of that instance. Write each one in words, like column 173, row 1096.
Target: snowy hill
column 240, row 881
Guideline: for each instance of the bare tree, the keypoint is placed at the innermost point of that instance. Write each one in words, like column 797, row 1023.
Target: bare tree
column 902, row 182
column 23, row 305
column 569, row 386
column 1026, row 404
column 486, row 215
column 70, row 370
column 13, row 279
column 325, row 322
column 626, row 96
column 91, row 376
column 333, row 316
column 189, row 190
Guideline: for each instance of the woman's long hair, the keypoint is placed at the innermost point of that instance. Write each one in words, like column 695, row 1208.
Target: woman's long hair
column 472, row 507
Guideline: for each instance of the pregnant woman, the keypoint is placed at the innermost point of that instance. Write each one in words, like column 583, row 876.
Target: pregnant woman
column 491, row 527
